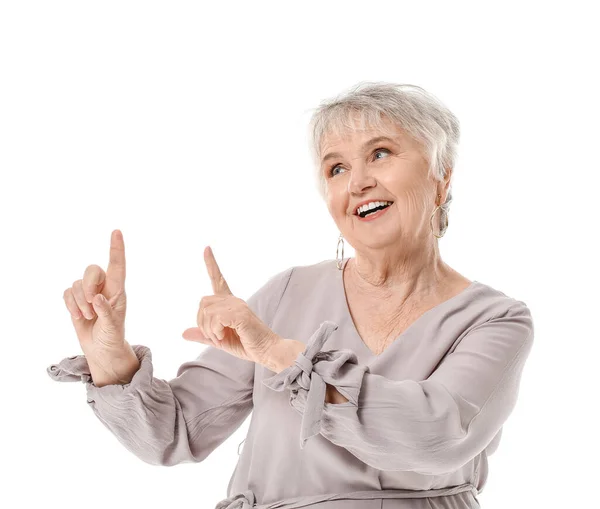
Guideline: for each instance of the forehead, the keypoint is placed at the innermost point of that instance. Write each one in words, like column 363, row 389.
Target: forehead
column 356, row 129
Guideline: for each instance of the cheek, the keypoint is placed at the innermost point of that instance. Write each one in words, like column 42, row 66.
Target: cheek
column 411, row 206
column 398, row 177
column 337, row 201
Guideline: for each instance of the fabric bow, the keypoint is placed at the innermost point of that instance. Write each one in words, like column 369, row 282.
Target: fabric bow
column 302, row 375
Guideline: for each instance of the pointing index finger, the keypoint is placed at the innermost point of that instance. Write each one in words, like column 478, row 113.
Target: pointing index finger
column 115, row 272
column 219, row 285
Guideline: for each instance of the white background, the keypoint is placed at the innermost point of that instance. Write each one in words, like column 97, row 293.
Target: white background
column 183, row 124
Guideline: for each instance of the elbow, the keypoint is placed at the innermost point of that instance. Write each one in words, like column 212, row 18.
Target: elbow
column 153, row 456
column 176, row 455
column 165, row 459
column 164, row 454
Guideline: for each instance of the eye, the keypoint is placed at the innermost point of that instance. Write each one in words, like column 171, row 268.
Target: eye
column 331, row 174
column 384, row 149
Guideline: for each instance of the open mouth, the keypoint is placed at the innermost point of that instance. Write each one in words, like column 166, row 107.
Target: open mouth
column 367, row 213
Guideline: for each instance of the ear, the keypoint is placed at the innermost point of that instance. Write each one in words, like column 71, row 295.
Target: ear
column 447, row 179
column 448, row 176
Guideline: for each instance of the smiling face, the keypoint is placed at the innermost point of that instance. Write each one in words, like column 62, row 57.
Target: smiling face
column 360, row 166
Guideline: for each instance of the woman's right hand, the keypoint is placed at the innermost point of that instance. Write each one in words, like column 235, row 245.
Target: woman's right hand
column 97, row 304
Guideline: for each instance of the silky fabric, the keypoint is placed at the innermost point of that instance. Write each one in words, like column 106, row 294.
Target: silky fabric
column 421, row 419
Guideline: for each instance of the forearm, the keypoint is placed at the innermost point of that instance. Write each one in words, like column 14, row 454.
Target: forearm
column 283, row 355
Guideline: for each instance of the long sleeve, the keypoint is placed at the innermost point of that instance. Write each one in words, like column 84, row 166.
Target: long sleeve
column 430, row 427
column 184, row 419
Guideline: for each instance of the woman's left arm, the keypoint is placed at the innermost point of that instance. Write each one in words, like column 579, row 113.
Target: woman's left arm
column 432, row 426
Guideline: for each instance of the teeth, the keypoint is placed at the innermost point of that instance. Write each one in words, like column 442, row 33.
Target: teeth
column 372, row 205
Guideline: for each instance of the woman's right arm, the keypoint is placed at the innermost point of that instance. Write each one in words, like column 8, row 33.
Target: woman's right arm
column 170, row 422
column 184, row 419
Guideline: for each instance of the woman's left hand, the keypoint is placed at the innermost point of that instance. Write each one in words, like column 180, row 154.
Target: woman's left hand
column 227, row 323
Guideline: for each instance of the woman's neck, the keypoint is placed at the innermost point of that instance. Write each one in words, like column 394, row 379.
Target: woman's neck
column 384, row 280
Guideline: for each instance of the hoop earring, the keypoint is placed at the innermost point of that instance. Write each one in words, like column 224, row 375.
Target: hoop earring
column 339, row 260
column 431, row 222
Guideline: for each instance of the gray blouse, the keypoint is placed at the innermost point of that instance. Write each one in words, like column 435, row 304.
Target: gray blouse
column 421, row 419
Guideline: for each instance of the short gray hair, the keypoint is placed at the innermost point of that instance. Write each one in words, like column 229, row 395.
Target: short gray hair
column 417, row 112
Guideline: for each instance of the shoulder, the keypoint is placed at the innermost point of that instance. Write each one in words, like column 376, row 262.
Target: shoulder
column 308, row 278
column 314, row 270
column 265, row 301
column 309, row 274
column 301, row 279
column 492, row 303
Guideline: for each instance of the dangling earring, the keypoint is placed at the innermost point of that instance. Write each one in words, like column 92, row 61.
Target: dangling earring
column 431, row 221
column 339, row 260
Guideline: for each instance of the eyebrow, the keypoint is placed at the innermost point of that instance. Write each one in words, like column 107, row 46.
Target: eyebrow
column 365, row 145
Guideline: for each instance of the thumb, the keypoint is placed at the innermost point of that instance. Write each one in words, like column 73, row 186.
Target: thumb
column 102, row 308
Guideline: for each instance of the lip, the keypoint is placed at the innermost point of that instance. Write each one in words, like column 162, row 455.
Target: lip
column 373, row 216
column 365, row 202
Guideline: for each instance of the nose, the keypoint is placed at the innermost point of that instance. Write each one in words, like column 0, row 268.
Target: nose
column 360, row 180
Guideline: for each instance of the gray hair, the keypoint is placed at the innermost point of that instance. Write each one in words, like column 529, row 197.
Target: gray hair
column 417, row 112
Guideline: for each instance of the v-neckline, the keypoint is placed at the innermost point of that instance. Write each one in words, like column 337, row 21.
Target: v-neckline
column 413, row 325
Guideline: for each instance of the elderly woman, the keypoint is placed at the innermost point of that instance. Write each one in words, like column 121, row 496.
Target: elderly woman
column 379, row 381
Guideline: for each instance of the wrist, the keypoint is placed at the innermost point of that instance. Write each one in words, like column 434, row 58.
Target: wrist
column 283, row 354
column 114, row 368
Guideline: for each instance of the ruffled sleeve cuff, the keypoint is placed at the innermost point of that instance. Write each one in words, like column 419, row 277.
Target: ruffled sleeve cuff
column 308, row 376
column 76, row 369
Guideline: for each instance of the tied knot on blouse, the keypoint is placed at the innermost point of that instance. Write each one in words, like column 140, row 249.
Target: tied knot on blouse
column 306, row 365
column 308, row 377
column 245, row 500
